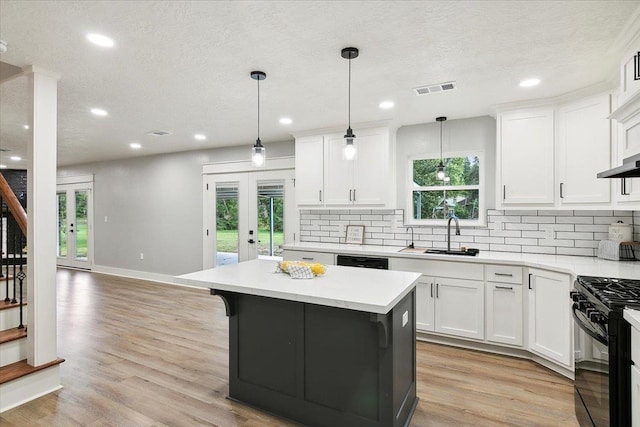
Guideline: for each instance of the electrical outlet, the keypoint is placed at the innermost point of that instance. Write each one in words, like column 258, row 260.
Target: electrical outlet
column 141, row 255
column 106, row 219
column 550, row 234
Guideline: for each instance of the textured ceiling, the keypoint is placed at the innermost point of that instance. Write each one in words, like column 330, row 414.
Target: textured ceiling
column 184, row 66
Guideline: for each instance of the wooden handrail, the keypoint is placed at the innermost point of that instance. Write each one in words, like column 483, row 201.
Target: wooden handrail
column 14, row 205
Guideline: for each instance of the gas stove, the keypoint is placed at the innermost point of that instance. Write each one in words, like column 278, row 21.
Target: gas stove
column 615, row 294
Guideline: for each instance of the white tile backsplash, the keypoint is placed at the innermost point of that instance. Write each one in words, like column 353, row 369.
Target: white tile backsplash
column 575, row 232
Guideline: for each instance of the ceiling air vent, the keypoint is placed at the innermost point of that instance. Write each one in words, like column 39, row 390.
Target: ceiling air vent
column 440, row 87
column 159, row 133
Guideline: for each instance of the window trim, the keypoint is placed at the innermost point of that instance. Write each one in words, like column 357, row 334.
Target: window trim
column 482, row 212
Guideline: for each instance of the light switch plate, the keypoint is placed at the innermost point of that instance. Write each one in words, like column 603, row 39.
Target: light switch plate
column 405, row 318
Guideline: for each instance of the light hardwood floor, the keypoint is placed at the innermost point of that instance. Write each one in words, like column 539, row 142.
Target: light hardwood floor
column 145, row 354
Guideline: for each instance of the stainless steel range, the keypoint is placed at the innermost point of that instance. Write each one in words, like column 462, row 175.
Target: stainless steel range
column 603, row 349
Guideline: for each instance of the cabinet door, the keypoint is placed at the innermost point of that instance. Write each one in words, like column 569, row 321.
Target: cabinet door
column 504, row 313
column 584, row 149
column 459, row 307
column 635, row 396
column 370, row 173
column 309, row 171
column 338, row 172
column 526, row 157
column 550, row 325
column 425, row 304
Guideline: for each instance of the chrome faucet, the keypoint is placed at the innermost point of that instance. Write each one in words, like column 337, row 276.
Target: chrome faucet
column 452, row 216
column 411, row 245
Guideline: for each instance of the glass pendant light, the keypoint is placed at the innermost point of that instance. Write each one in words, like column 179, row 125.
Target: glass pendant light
column 349, row 148
column 258, row 152
column 440, row 174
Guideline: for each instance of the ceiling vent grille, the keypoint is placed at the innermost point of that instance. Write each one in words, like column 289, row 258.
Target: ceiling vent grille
column 159, row 133
column 439, row 87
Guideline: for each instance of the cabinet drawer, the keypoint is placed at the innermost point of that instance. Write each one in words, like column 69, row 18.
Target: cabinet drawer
column 635, row 346
column 321, row 257
column 455, row 270
column 504, row 274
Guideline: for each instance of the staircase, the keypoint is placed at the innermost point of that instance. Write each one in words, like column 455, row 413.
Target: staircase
column 19, row 381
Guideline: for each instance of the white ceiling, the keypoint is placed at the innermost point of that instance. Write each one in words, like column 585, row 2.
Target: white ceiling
column 183, row 66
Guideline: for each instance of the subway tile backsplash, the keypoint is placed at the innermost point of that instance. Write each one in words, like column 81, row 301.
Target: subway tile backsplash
column 524, row 231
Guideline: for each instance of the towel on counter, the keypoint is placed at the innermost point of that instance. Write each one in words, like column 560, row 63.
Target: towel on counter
column 300, row 272
column 609, row 249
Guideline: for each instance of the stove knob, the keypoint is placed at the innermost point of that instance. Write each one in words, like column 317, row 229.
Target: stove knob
column 596, row 317
column 583, row 304
column 575, row 296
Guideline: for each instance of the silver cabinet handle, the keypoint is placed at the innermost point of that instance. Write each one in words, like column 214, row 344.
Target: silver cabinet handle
column 431, row 290
column 504, row 192
column 561, row 192
column 503, row 274
column 504, row 287
column 350, row 195
column 320, row 195
column 354, row 194
column 307, row 258
column 437, row 285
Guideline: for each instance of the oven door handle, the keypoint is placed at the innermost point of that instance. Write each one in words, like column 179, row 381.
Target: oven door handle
column 600, row 338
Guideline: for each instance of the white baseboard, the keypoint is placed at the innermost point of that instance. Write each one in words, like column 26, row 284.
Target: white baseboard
column 143, row 275
column 25, row 389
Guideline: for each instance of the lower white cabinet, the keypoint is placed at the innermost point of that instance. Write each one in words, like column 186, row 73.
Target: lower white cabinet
column 321, row 257
column 504, row 313
column 425, row 304
column 550, row 327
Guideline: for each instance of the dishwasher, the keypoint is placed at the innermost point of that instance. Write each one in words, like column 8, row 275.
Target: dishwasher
column 363, row 262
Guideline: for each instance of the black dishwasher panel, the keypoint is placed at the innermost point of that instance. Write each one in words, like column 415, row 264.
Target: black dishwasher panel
column 363, row 262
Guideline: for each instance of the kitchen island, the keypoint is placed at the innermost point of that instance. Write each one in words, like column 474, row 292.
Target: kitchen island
column 336, row 350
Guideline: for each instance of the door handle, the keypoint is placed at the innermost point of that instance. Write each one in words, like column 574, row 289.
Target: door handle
column 251, row 241
column 530, row 274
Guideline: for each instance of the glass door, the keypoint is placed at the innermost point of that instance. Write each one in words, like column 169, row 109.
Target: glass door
column 74, row 225
column 248, row 215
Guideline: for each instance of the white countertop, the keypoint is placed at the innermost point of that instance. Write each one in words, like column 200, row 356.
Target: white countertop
column 361, row 289
column 633, row 317
column 575, row 265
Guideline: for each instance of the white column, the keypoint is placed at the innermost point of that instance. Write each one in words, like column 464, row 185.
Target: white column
column 41, row 216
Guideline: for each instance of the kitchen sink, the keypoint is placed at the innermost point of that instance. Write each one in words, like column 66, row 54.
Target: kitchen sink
column 468, row 252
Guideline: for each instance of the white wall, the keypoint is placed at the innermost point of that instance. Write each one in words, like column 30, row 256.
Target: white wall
column 153, row 205
column 474, row 134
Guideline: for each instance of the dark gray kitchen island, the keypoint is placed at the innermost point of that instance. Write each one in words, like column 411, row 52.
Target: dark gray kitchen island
column 336, row 350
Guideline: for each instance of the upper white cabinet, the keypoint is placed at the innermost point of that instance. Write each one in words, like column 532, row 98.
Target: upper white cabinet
column 324, row 178
column 309, row 170
column 550, row 325
column 583, row 150
column 526, row 157
column 550, row 156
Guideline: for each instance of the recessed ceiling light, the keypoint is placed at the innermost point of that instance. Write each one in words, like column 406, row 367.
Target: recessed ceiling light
column 385, row 105
column 16, row 158
column 285, row 121
column 530, row 82
column 200, row 137
column 3, row 166
column 26, row 126
column 99, row 112
column 135, row 145
column 100, row 40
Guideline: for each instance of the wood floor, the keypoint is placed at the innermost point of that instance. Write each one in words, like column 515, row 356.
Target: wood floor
column 144, row 354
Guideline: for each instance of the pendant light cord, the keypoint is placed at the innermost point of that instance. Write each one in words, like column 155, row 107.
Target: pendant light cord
column 258, row 109
column 440, row 142
column 349, row 91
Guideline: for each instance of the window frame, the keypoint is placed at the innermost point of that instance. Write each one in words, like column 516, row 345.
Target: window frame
column 482, row 212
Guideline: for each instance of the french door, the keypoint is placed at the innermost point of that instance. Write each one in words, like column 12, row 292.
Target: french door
column 248, row 215
column 75, row 225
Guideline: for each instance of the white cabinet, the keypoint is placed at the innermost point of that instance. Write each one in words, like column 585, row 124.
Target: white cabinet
column 324, row 178
column 448, row 305
column 459, row 307
column 550, row 327
column 363, row 180
column 526, row 157
column 309, row 171
column 308, row 256
column 504, row 305
column 584, row 150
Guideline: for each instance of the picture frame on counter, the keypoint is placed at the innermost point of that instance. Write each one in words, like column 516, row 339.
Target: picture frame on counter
column 354, row 234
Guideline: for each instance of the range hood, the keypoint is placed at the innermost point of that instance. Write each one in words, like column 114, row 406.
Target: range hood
column 630, row 169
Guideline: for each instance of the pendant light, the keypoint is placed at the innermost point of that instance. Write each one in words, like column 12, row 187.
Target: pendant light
column 349, row 148
column 258, row 152
column 440, row 174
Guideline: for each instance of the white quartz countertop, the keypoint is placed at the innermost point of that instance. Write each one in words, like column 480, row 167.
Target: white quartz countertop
column 633, row 317
column 361, row 289
column 575, row 265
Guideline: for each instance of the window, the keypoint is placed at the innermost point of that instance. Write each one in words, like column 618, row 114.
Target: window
column 460, row 192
